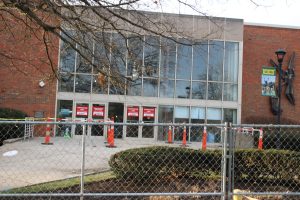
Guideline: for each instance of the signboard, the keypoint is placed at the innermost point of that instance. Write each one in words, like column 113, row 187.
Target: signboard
column 98, row 111
column 82, row 111
column 149, row 112
column 268, row 78
column 132, row 111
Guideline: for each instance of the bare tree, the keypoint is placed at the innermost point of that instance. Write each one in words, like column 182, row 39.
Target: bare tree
column 105, row 34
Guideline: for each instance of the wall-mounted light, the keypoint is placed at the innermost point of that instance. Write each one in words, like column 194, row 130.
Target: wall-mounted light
column 41, row 83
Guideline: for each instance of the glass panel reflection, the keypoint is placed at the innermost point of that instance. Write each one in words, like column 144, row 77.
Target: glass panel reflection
column 215, row 69
column 184, row 60
column 100, row 84
column 183, row 89
column 166, row 88
column 66, row 82
column 134, row 88
column 151, row 56
column 168, row 58
column 200, row 61
column 83, row 83
column 150, row 87
column 231, row 62
column 230, row 92
column 214, row 91
column 199, row 90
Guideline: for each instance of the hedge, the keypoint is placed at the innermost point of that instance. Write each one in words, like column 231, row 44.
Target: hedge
column 170, row 162
column 9, row 131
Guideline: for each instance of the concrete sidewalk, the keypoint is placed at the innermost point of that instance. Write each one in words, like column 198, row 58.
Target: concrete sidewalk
column 36, row 163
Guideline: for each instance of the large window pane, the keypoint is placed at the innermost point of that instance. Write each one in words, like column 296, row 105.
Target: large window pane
column 199, row 90
column 214, row 91
column 134, row 88
column 215, row 68
column 231, row 62
column 66, row 82
column 229, row 115
column 200, row 61
column 150, row 87
column 182, row 115
column 83, row 83
column 184, row 60
column 151, row 56
column 166, row 88
column 67, row 52
column 168, row 58
column 118, row 49
column 135, row 53
column 165, row 115
column 230, row 92
column 100, row 85
column 83, row 64
column 197, row 117
column 102, row 52
column 183, row 89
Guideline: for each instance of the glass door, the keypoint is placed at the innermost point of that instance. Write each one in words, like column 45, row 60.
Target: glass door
column 98, row 115
column 148, row 117
column 81, row 114
column 132, row 117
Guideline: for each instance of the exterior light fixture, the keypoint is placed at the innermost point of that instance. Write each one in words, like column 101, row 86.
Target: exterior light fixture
column 42, row 83
column 135, row 74
column 280, row 53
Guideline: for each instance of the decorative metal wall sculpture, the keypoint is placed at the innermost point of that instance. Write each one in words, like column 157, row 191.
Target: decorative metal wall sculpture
column 288, row 77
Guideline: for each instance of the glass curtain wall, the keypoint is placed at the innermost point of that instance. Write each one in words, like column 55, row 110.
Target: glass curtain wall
column 207, row 70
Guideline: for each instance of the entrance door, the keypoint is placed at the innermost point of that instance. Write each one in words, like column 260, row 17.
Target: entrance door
column 98, row 115
column 149, row 118
column 133, row 116
column 116, row 111
column 140, row 114
column 81, row 114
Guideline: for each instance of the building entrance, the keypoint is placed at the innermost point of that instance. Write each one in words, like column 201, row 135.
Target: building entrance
column 140, row 114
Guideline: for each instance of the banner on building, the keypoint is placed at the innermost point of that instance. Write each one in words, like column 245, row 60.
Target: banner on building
column 82, row 111
column 133, row 111
column 268, row 79
column 149, row 112
column 98, row 111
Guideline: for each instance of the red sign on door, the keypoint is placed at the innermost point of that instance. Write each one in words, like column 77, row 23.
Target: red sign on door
column 149, row 112
column 98, row 111
column 132, row 111
column 82, row 111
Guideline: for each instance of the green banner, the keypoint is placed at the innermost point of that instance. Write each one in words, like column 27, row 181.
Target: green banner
column 268, row 79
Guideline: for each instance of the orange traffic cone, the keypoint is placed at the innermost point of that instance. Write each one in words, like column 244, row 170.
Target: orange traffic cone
column 204, row 139
column 170, row 135
column 111, row 136
column 48, row 132
column 260, row 140
column 184, row 137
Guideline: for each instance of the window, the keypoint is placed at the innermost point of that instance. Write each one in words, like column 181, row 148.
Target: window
column 166, row 88
column 199, row 90
column 215, row 68
column 168, row 58
column 183, row 89
column 150, row 87
column 200, row 61
column 184, row 60
column 151, row 56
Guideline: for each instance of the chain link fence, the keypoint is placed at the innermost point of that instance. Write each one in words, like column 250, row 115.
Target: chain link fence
column 106, row 160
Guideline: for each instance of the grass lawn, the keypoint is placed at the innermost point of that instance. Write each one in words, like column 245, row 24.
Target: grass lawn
column 62, row 184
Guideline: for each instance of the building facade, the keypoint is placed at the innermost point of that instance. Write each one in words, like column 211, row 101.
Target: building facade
column 214, row 76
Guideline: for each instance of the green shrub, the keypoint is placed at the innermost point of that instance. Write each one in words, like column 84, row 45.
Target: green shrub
column 9, row 131
column 165, row 162
column 169, row 162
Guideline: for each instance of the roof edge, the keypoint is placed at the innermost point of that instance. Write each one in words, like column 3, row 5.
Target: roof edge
column 272, row 25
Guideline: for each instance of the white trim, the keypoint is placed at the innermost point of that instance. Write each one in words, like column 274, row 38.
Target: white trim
column 272, row 25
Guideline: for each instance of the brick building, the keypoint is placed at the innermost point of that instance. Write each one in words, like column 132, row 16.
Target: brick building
column 29, row 84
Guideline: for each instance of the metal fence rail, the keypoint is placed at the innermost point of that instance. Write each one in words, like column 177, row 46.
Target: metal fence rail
column 151, row 161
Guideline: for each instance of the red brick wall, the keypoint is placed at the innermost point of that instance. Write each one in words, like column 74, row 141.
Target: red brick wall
column 20, row 76
column 260, row 43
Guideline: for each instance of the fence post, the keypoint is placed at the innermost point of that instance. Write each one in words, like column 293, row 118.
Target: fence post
column 82, row 162
column 230, row 161
column 224, row 162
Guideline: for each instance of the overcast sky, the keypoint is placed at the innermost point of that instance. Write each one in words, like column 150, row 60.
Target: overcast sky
column 279, row 12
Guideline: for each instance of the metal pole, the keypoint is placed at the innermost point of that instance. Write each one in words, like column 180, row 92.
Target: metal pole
column 279, row 106
column 224, row 162
column 82, row 163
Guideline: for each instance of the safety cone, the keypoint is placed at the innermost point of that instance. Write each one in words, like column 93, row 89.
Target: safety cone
column 184, row 138
column 111, row 136
column 48, row 132
column 170, row 135
column 260, row 140
column 204, row 139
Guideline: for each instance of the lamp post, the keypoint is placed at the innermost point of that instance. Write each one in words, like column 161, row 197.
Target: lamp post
column 280, row 53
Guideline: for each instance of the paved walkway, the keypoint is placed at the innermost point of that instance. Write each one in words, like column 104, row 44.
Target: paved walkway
column 36, row 163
